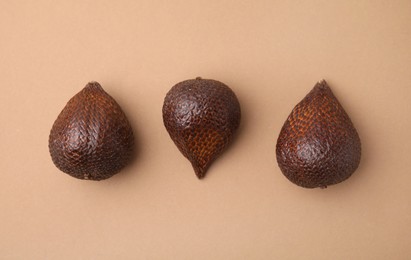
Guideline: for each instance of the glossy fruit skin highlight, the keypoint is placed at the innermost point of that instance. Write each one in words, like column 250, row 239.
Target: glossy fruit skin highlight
column 201, row 117
column 318, row 145
column 91, row 138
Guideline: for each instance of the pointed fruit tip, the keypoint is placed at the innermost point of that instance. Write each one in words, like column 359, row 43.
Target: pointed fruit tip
column 93, row 84
column 321, row 85
column 200, row 172
column 322, row 82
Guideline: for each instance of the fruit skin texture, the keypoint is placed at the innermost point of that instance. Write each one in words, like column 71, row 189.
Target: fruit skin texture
column 91, row 138
column 318, row 144
column 201, row 116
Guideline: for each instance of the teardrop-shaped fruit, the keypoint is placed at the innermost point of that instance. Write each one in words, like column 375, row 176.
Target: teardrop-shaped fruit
column 318, row 144
column 91, row 138
column 201, row 116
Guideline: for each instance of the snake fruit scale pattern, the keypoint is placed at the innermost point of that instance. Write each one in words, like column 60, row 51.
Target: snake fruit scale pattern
column 201, row 117
column 91, row 138
column 318, row 144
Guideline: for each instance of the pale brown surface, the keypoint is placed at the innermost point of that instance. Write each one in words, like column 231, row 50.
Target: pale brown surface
column 271, row 53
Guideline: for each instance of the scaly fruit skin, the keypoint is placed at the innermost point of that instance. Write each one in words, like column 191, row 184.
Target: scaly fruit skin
column 318, row 144
column 201, row 116
column 91, row 138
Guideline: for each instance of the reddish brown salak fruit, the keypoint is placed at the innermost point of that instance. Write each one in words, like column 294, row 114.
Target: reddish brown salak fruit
column 201, row 116
column 318, row 144
column 91, row 139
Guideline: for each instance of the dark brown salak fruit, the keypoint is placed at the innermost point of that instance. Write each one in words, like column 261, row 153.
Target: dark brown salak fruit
column 91, row 139
column 201, row 116
column 318, row 144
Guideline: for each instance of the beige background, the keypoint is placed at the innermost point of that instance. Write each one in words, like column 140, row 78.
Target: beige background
column 270, row 53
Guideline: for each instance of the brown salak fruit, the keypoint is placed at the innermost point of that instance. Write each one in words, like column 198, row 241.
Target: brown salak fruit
column 91, row 139
column 318, row 144
column 201, row 116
